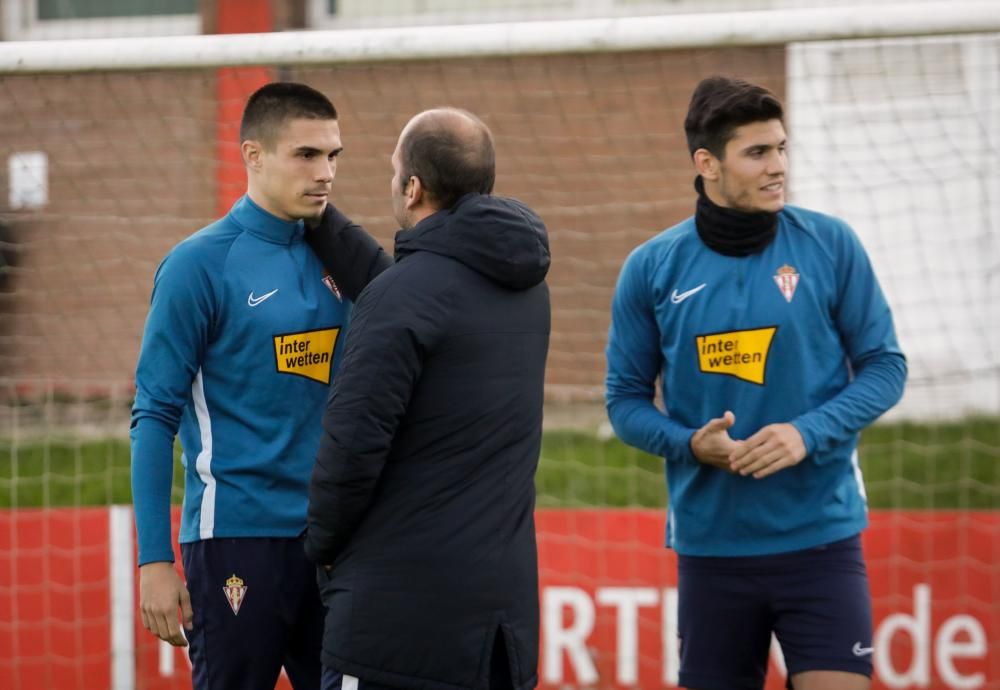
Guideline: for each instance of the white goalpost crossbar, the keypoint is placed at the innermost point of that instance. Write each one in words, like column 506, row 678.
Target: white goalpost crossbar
column 517, row 38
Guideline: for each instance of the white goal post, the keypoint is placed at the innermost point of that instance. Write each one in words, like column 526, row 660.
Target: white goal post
column 764, row 27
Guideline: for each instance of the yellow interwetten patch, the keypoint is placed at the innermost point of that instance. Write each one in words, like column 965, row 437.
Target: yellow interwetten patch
column 742, row 354
column 308, row 354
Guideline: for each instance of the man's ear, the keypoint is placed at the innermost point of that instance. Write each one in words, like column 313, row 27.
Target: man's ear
column 251, row 151
column 706, row 164
column 414, row 192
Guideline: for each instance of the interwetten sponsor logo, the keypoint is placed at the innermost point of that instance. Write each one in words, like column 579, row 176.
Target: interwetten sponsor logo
column 308, row 354
column 742, row 354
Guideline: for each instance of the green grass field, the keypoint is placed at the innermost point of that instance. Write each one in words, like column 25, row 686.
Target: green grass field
column 925, row 466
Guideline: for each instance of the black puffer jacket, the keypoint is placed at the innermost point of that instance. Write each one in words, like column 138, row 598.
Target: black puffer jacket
column 422, row 497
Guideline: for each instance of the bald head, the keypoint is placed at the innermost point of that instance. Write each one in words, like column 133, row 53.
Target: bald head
column 451, row 151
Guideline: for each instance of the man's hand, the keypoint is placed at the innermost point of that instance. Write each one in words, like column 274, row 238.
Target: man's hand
column 712, row 445
column 773, row 448
column 161, row 592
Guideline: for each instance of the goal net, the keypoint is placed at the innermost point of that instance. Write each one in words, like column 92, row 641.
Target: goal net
column 114, row 150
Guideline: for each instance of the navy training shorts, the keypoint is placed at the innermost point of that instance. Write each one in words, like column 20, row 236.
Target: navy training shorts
column 815, row 601
column 256, row 609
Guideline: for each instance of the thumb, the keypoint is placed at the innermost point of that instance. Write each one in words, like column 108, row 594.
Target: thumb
column 721, row 423
column 186, row 611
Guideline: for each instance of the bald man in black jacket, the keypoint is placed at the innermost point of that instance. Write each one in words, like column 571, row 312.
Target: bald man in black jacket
column 421, row 505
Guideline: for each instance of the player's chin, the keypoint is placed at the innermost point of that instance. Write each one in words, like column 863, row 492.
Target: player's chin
column 312, row 206
column 771, row 204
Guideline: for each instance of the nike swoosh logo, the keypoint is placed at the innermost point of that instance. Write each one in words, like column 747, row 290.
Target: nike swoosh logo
column 861, row 651
column 679, row 297
column 254, row 301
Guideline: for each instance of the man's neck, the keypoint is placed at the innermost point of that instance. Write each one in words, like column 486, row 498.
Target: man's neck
column 421, row 213
column 714, row 194
column 262, row 201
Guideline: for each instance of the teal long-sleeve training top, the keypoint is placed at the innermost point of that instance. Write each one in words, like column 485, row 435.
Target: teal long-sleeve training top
column 243, row 335
column 798, row 333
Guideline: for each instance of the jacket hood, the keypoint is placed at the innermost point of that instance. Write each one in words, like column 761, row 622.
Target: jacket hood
column 498, row 237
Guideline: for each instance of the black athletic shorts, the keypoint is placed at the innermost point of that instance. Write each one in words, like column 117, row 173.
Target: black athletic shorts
column 256, row 609
column 816, row 602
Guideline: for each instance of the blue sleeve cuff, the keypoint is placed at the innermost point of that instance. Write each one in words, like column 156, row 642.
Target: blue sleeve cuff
column 807, row 436
column 639, row 423
column 152, row 482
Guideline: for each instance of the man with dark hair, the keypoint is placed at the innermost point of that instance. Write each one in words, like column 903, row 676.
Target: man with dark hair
column 719, row 105
column 776, row 348
column 422, row 498
column 239, row 347
column 269, row 108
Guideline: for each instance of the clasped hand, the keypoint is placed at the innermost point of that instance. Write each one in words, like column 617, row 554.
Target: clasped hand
column 771, row 449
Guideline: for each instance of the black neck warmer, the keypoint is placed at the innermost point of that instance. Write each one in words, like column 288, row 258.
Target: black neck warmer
column 731, row 232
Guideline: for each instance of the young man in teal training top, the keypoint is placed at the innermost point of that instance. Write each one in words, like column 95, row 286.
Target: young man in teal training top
column 245, row 331
column 776, row 348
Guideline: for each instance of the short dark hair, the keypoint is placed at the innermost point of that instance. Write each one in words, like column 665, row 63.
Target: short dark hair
column 272, row 105
column 448, row 161
column 721, row 104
